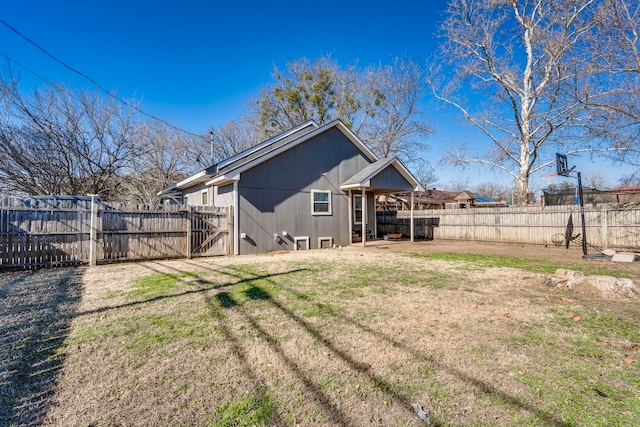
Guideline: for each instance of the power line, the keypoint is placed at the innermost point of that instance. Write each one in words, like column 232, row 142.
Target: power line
column 151, row 116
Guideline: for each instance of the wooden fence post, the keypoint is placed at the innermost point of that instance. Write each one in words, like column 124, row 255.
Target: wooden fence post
column 605, row 237
column 93, row 234
column 189, row 232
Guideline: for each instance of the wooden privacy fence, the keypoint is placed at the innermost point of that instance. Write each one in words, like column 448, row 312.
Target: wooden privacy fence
column 40, row 232
column 389, row 222
column 608, row 226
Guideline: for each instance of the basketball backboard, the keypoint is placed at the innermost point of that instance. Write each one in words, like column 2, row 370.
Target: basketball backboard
column 562, row 165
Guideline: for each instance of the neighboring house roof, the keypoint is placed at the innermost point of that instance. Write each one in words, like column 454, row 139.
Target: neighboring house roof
column 466, row 195
column 431, row 196
column 483, row 199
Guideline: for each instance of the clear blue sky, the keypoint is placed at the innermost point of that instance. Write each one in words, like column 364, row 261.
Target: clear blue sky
column 195, row 62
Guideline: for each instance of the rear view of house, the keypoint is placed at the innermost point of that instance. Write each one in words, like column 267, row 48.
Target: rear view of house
column 310, row 187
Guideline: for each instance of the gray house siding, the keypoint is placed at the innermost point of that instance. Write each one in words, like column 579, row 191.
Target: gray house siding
column 224, row 196
column 275, row 196
column 194, row 195
column 390, row 178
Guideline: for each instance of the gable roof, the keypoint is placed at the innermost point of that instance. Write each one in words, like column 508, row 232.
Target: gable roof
column 363, row 178
column 208, row 173
column 264, row 147
column 230, row 170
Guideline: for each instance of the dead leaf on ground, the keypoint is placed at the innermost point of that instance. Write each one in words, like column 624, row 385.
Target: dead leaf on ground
column 604, row 342
column 505, row 315
column 576, row 318
column 565, row 299
column 364, row 367
column 634, row 347
column 627, row 360
column 474, row 306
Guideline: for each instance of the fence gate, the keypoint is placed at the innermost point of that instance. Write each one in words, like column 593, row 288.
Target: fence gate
column 209, row 233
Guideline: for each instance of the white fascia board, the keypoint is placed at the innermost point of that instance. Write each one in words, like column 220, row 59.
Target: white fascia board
column 192, row 180
column 166, row 190
column 358, row 186
column 223, row 180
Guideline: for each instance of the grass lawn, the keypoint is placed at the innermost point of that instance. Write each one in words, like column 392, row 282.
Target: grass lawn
column 335, row 338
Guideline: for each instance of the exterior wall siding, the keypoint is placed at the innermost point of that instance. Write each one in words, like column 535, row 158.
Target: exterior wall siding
column 275, row 196
column 223, row 196
column 194, row 195
column 390, row 178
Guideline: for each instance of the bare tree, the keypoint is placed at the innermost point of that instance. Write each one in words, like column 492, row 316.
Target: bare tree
column 305, row 90
column 233, row 137
column 396, row 126
column 380, row 103
column 495, row 191
column 521, row 72
column 164, row 161
column 616, row 47
column 60, row 141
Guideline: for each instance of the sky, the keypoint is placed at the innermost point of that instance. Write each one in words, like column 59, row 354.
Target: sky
column 195, row 63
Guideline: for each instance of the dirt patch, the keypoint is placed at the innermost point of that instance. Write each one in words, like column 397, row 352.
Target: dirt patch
column 561, row 255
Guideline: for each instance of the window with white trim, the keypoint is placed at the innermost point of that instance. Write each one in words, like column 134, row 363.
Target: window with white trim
column 357, row 209
column 320, row 202
column 205, row 197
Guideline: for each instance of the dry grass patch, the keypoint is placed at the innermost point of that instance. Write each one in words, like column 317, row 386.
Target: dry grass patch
column 343, row 338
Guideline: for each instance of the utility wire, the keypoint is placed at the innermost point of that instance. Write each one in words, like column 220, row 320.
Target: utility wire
column 151, row 116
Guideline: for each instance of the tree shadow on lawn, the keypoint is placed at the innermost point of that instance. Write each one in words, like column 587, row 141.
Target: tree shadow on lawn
column 36, row 311
column 335, row 414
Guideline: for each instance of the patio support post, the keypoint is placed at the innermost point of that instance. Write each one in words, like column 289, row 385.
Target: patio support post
column 364, row 216
column 411, row 224
column 349, row 204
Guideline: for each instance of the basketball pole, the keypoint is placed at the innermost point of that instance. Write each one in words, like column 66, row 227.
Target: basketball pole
column 562, row 168
column 584, row 226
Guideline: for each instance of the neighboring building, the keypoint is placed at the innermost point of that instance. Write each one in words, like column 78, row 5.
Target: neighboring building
column 592, row 196
column 422, row 200
column 467, row 199
column 309, row 187
column 436, row 199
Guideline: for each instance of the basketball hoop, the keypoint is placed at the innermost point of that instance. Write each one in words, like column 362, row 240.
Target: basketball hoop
column 549, row 178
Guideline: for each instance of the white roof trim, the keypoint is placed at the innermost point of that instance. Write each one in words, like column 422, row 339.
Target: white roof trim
column 356, row 186
column 167, row 190
column 223, row 179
